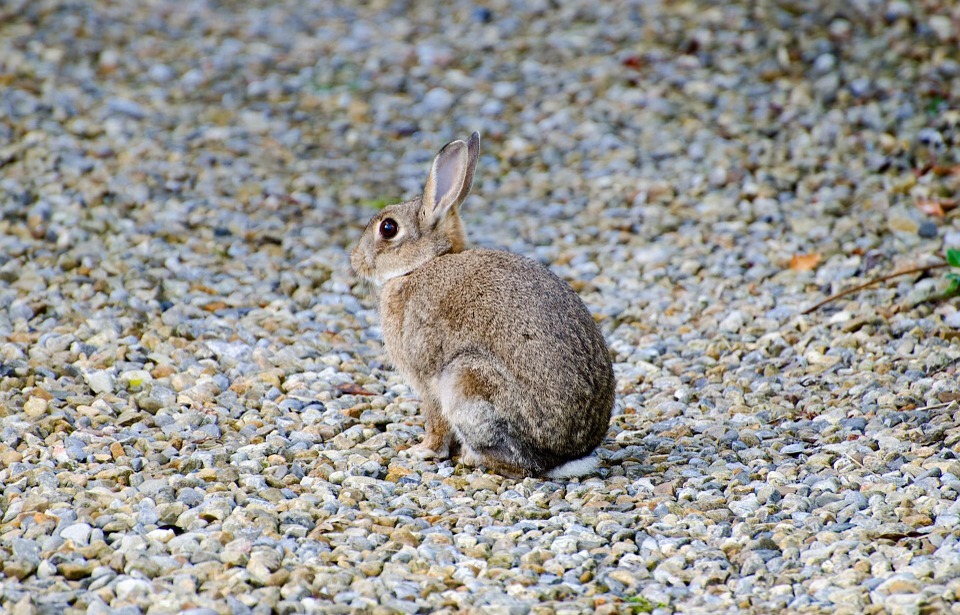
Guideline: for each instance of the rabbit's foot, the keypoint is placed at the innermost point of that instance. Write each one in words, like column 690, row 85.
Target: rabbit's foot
column 425, row 451
column 470, row 457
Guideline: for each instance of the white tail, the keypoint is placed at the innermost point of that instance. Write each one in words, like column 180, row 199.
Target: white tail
column 575, row 468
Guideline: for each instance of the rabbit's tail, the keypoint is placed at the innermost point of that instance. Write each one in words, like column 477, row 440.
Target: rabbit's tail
column 575, row 468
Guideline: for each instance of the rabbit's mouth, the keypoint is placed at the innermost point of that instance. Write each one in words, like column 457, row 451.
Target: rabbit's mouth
column 361, row 265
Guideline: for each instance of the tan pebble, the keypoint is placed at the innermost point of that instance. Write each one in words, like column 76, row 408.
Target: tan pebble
column 35, row 407
column 74, row 571
column 182, row 381
column 162, row 371
column 271, row 377
column 41, row 393
column 903, row 225
column 116, row 450
column 622, row 576
column 10, row 456
column 899, row 586
column 259, row 571
column 278, row 578
column 405, row 537
column 918, row 520
column 667, row 489
column 17, row 570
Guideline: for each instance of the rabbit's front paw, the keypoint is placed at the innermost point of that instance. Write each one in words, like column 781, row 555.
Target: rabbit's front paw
column 423, row 451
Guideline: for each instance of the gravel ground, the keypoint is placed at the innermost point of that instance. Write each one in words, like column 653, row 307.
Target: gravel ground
column 195, row 412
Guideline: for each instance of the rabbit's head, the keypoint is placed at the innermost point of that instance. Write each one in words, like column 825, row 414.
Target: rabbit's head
column 407, row 235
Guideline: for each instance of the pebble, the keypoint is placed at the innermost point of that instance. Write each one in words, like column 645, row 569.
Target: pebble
column 437, row 99
column 100, row 381
column 35, row 407
column 79, row 533
column 927, row 229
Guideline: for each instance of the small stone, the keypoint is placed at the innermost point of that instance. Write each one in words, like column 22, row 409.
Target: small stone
column 854, row 424
column 18, row 569
column 99, row 381
column 134, row 379
column 625, row 577
column 160, row 73
column 665, row 489
column 258, row 571
column 746, row 506
column 942, row 26
column 24, row 606
column 74, row 571
column 132, row 588
column 26, row 551
column 126, row 107
column 9, row 457
column 903, row 225
column 928, row 229
column 46, row 569
column 79, row 533
column 897, row 9
column 438, row 99
column 952, row 320
column 116, row 451
column 148, row 403
column 732, row 322
column 35, row 407
column 898, row 585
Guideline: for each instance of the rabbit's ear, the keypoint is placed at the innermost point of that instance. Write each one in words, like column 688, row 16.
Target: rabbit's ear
column 450, row 178
column 473, row 154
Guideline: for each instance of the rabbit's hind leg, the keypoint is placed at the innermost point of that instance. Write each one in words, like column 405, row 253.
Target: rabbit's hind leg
column 469, row 389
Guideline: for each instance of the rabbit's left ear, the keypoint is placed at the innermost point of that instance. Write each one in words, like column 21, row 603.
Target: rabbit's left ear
column 451, row 177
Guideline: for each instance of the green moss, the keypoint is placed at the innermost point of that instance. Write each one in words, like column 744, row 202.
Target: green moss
column 639, row 604
column 376, row 203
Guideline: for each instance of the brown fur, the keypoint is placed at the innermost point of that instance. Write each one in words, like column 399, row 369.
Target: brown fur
column 505, row 356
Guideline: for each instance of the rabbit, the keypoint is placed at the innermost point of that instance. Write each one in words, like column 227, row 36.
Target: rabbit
column 506, row 358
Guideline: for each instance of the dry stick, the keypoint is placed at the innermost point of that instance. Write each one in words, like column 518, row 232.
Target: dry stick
column 884, row 278
column 942, row 404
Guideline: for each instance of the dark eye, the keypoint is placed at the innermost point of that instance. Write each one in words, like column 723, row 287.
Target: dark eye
column 389, row 228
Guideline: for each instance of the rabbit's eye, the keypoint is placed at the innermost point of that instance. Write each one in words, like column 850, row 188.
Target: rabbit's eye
column 389, row 228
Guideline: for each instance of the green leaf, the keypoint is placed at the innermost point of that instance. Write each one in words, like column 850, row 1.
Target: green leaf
column 954, row 283
column 935, row 105
column 953, row 257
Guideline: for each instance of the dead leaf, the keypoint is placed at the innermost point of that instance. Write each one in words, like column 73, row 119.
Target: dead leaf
column 352, row 388
column 930, row 207
column 804, row 262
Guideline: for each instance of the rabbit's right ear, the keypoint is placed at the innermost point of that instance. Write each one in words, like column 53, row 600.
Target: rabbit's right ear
column 450, row 179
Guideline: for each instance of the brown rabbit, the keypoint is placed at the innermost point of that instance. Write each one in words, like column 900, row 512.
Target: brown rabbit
column 507, row 359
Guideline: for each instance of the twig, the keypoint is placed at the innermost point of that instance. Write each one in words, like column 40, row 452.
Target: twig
column 884, row 278
column 942, row 404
